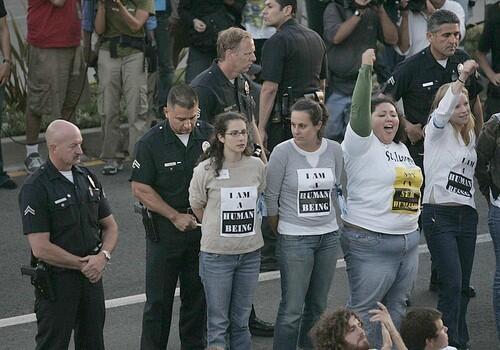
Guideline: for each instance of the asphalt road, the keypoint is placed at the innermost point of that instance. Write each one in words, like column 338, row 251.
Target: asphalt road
column 124, row 277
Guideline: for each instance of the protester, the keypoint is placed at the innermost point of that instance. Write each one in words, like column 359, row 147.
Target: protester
column 301, row 179
column 343, row 330
column 423, row 329
column 449, row 216
column 224, row 195
column 380, row 235
column 488, row 178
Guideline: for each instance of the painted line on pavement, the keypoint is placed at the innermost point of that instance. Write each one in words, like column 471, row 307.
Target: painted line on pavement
column 141, row 298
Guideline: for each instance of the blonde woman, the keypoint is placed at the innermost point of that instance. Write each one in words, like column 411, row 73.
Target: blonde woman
column 449, row 216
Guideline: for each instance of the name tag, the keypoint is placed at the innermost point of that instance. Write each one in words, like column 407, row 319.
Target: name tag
column 61, row 200
column 223, row 174
column 430, row 83
column 171, row 164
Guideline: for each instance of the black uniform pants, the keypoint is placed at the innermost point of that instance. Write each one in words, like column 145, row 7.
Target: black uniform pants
column 79, row 305
column 277, row 133
column 174, row 257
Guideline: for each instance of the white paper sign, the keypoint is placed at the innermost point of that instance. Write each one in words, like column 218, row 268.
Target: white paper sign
column 238, row 211
column 314, row 192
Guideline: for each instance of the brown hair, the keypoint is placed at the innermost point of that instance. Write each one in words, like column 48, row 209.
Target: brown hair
column 419, row 325
column 330, row 330
column 464, row 132
column 316, row 110
column 216, row 150
column 400, row 133
column 230, row 39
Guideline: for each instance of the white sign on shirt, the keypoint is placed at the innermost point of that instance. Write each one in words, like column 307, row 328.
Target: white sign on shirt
column 314, row 192
column 238, row 208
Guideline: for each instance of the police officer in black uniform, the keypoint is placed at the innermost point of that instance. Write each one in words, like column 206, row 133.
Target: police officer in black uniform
column 161, row 172
column 417, row 79
column 224, row 87
column 71, row 231
column 294, row 65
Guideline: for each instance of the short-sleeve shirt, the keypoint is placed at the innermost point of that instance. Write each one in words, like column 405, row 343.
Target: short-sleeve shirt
column 50, row 26
column 70, row 212
column 116, row 25
column 164, row 163
column 344, row 59
column 490, row 39
column 217, row 94
column 417, row 79
column 295, row 56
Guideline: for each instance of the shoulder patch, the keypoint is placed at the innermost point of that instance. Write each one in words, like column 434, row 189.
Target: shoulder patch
column 29, row 210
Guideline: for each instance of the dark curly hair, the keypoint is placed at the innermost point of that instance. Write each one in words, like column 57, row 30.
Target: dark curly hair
column 330, row 330
column 216, row 150
column 419, row 325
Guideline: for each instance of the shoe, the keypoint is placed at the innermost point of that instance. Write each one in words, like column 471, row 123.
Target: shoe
column 470, row 292
column 33, row 162
column 112, row 167
column 8, row 184
column 260, row 328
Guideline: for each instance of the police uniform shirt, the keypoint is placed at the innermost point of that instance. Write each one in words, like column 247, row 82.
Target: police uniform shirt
column 164, row 163
column 294, row 56
column 217, row 94
column 417, row 79
column 70, row 212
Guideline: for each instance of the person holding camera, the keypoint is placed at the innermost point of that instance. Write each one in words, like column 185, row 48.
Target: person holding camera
column 350, row 28
column 412, row 28
column 122, row 70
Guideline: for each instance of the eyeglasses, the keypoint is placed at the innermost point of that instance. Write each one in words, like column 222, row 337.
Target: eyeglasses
column 235, row 133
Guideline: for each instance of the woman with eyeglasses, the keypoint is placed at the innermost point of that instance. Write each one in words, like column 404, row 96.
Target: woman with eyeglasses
column 224, row 195
column 302, row 175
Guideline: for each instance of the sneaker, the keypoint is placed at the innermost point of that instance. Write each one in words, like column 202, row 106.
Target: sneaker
column 33, row 162
column 8, row 184
column 112, row 167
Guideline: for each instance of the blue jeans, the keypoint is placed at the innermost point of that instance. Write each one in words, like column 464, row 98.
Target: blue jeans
column 307, row 264
column 337, row 123
column 451, row 233
column 229, row 282
column 494, row 224
column 380, row 267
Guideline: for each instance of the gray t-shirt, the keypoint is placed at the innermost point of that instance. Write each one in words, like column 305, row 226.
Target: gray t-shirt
column 300, row 187
column 344, row 59
column 231, row 219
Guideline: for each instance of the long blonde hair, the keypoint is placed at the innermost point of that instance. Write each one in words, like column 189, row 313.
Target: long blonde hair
column 466, row 131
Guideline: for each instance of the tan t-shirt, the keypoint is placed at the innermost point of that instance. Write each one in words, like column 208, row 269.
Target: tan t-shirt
column 231, row 219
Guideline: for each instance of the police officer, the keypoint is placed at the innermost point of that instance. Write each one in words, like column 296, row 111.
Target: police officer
column 417, row 79
column 161, row 172
column 222, row 88
column 71, row 231
column 293, row 64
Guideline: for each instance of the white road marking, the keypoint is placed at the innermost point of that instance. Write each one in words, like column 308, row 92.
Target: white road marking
column 141, row 298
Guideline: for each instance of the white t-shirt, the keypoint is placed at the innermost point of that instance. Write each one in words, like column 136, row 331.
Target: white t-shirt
column 417, row 27
column 495, row 202
column 449, row 164
column 68, row 175
column 383, row 185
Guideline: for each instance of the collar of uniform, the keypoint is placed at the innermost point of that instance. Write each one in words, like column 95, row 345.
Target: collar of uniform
column 54, row 173
column 289, row 22
column 219, row 74
column 452, row 59
column 170, row 137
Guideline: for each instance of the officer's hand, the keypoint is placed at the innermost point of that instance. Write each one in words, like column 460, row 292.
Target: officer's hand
column 93, row 266
column 414, row 132
column 199, row 25
column 184, row 222
column 469, row 68
column 368, row 57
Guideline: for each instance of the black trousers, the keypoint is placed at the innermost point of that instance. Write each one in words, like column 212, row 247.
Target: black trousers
column 79, row 306
column 173, row 258
column 277, row 133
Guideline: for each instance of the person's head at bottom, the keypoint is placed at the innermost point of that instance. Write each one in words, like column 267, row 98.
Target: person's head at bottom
column 423, row 329
column 339, row 330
